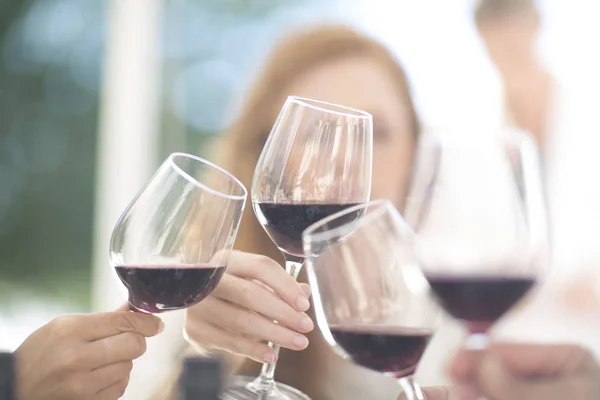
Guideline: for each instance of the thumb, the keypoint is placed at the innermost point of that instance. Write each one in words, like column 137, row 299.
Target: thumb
column 124, row 307
column 496, row 381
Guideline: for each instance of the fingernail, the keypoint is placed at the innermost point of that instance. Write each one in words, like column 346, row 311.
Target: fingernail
column 300, row 341
column 161, row 326
column 306, row 324
column 270, row 357
column 302, row 303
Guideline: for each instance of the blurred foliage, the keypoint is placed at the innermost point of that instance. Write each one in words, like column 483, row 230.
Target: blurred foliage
column 50, row 59
column 48, row 111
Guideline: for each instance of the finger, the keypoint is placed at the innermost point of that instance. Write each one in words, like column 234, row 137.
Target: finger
column 113, row 392
column 108, row 375
column 541, row 360
column 206, row 335
column 497, row 382
column 235, row 319
column 464, row 364
column 124, row 307
column 268, row 271
column 306, row 289
column 101, row 325
column 113, row 349
column 254, row 297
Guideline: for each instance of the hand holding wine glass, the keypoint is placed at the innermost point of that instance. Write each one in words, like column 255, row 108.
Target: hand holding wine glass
column 477, row 206
column 316, row 161
column 238, row 316
column 171, row 245
column 371, row 300
column 82, row 356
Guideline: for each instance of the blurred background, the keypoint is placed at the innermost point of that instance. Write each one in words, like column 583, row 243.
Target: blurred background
column 94, row 95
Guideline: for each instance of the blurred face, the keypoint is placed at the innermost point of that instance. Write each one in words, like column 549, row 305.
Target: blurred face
column 365, row 83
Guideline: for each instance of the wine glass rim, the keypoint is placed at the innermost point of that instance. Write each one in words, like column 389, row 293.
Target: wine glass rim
column 203, row 186
column 313, row 235
column 321, row 105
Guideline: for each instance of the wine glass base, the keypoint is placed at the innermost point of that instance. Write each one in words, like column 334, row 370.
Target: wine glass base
column 239, row 389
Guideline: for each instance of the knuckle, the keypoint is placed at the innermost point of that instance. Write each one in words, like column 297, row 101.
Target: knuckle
column 62, row 326
column 71, row 358
column 267, row 264
column 263, row 260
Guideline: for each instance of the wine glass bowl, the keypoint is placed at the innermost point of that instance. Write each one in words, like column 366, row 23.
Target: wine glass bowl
column 477, row 206
column 319, row 164
column 316, row 161
column 371, row 300
column 171, row 245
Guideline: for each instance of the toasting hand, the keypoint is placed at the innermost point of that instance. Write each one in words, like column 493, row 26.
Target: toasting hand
column 83, row 356
column 254, row 292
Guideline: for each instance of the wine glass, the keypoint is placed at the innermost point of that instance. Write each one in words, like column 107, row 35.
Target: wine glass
column 316, row 161
column 478, row 208
column 371, row 300
column 171, row 245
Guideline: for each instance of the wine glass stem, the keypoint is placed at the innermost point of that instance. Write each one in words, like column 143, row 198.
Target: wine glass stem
column 412, row 391
column 267, row 372
column 477, row 341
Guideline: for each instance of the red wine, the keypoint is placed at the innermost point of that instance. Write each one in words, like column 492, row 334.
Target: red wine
column 478, row 300
column 285, row 223
column 159, row 288
column 386, row 349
